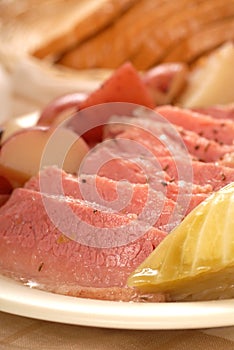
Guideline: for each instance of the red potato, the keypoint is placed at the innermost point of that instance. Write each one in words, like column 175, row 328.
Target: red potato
column 5, row 186
column 60, row 108
column 10, row 128
column 1, row 132
column 16, row 124
column 28, row 150
column 125, row 85
column 159, row 85
column 4, row 198
column 165, row 81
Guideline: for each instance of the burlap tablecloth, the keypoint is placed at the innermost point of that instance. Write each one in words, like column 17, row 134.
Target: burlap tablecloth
column 24, row 333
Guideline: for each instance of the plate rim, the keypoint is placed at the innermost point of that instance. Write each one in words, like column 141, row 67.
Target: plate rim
column 18, row 299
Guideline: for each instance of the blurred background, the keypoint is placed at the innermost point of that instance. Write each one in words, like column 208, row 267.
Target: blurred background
column 52, row 47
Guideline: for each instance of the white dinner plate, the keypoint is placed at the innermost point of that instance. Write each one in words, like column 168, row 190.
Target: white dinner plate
column 24, row 301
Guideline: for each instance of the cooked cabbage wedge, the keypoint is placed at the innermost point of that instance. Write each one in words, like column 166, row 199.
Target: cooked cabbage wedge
column 196, row 260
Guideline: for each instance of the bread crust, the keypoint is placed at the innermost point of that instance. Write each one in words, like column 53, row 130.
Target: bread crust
column 150, row 30
column 49, row 27
column 202, row 42
column 121, row 41
column 102, row 16
column 181, row 27
column 89, row 34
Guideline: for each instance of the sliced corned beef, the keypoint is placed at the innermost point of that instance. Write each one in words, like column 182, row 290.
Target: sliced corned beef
column 35, row 246
column 121, row 169
column 227, row 160
column 125, row 163
column 138, row 129
column 204, row 174
column 219, row 130
column 182, row 192
column 149, row 205
column 150, row 151
column 213, row 174
column 116, row 160
column 218, row 111
column 158, row 137
column 200, row 147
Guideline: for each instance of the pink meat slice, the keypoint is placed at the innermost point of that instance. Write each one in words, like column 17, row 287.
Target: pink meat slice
column 219, row 130
column 129, row 130
column 211, row 174
column 218, row 111
column 150, row 152
column 122, row 169
column 36, row 228
column 127, row 164
column 227, row 160
column 118, row 161
column 180, row 165
column 146, row 138
column 199, row 147
column 184, row 193
column 203, row 149
column 123, row 197
column 215, row 175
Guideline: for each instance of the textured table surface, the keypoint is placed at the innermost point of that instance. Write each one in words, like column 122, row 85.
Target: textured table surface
column 24, row 333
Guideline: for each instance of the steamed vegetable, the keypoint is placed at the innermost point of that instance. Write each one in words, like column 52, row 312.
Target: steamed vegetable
column 196, row 261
